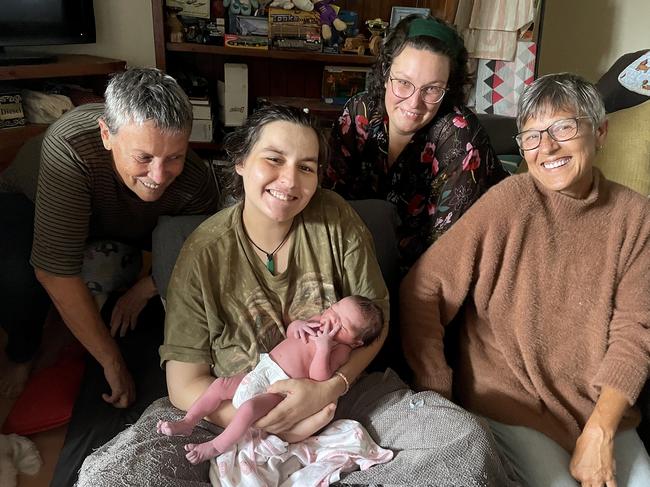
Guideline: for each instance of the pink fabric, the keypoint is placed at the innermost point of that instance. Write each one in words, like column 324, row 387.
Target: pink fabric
column 261, row 459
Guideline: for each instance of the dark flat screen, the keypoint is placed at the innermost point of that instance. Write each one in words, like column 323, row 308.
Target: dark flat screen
column 44, row 22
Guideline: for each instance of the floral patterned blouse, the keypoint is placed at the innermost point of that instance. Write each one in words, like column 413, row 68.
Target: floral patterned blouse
column 444, row 169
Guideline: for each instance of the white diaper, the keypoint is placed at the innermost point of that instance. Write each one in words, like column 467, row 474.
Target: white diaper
column 265, row 373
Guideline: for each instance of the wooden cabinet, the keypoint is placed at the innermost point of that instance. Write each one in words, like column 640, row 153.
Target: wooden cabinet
column 90, row 71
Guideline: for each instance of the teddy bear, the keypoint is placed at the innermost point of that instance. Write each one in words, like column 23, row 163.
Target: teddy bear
column 240, row 7
column 328, row 13
column 305, row 5
column 17, row 454
column 329, row 18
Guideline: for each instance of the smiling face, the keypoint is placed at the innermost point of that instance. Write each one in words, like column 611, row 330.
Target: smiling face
column 146, row 159
column 422, row 68
column 564, row 166
column 280, row 174
column 349, row 316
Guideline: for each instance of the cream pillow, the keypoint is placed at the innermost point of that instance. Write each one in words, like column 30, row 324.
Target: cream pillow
column 625, row 156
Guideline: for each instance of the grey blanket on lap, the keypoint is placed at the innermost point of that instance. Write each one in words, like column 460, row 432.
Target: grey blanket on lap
column 435, row 443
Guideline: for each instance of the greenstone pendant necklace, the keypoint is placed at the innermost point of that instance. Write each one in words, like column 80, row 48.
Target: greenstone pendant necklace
column 270, row 257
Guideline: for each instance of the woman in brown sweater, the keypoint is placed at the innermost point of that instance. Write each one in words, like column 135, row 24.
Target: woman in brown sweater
column 553, row 298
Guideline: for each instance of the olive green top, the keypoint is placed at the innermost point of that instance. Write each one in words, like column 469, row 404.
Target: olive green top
column 224, row 307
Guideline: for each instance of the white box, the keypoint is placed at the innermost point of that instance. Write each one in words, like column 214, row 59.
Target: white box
column 201, row 131
column 233, row 95
column 201, row 112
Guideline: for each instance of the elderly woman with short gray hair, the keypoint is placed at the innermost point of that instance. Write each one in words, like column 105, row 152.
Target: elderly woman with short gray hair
column 548, row 274
column 106, row 173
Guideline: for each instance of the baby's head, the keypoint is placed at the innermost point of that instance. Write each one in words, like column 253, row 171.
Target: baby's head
column 361, row 320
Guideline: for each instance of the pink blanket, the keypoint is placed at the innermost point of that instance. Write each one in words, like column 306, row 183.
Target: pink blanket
column 265, row 460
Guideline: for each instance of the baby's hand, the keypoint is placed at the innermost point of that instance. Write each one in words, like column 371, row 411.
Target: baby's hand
column 303, row 329
column 325, row 336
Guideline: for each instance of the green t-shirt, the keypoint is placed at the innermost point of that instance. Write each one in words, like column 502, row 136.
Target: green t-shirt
column 224, row 308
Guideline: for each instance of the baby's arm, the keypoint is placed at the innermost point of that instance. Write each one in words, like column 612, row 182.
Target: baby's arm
column 329, row 355
column 303, row 329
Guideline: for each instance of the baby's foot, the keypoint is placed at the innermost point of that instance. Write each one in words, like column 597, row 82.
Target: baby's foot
column 174, row 428
column 201, row 452
column 13, row 377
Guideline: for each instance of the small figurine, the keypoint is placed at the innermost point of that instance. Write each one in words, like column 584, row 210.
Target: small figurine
column 174, row 25
column 356, row 45
column 377, row 28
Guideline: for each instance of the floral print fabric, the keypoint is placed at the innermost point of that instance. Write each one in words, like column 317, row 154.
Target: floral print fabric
column 444, row 169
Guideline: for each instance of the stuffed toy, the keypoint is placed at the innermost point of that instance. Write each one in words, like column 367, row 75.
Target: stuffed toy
column 240, row 7
column 17, row 454
column 305, row 5
column 329, row 18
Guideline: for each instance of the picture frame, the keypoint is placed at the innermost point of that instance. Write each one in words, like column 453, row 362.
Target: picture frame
column 398, row 13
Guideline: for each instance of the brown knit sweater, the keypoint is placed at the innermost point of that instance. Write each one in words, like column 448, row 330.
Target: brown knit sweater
column 554, row 296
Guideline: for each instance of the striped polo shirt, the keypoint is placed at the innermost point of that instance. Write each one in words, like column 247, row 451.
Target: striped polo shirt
column 80, row 197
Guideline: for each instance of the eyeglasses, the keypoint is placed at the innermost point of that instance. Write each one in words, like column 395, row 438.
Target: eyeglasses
column 559, row 131
column 403, row 89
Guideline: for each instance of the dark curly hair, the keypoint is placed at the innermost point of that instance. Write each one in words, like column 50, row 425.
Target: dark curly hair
column 374, row 317
column 395, row 42
column 239, row 143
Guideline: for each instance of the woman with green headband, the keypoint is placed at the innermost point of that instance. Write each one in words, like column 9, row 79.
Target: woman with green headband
column 411, row 140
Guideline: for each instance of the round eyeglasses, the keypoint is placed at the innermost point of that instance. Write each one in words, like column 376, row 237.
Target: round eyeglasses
column 559, row 131
column 403, row 89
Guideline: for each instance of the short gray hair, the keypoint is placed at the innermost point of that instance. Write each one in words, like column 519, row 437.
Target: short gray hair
column 561, row 91
column 141, row 94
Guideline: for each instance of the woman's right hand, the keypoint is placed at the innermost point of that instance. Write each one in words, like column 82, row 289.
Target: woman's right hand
column 121, row 383
column 593, row 463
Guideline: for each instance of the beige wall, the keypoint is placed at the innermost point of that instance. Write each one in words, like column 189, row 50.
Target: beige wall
column 124, row 31
column 587, row 36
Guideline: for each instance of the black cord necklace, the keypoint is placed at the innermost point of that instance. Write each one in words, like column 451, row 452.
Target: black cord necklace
column 270, row 262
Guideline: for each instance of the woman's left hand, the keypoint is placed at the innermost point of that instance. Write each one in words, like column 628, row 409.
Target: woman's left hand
column 303, row 398
column 128, row 307
column 310, row 425
column 593, row 463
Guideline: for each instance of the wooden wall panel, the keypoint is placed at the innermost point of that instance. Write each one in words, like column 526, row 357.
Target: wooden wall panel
column 371, row 9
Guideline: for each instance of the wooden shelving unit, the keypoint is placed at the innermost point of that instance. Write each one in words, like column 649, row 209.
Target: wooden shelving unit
column 291, row 77
column 210, row 146
column 67, row 65
column 295, row 77
column 318, row 57
column 79, row 67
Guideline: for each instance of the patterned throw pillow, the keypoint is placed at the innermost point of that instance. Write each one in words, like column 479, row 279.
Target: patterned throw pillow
column 615, row 96
column 636, row 77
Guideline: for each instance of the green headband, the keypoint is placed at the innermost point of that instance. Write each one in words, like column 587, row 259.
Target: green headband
column 433, row 28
